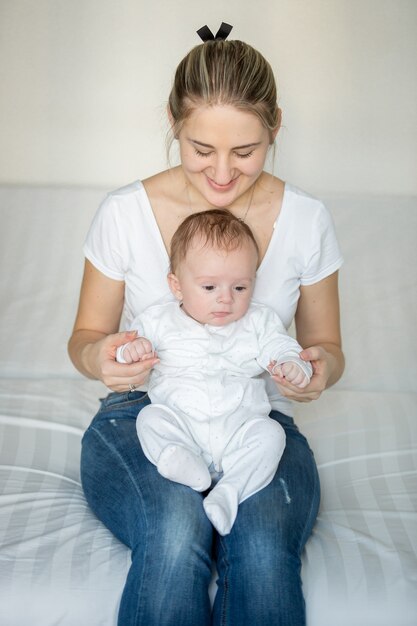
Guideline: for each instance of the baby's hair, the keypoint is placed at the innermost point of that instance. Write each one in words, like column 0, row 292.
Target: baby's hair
column 217, row 228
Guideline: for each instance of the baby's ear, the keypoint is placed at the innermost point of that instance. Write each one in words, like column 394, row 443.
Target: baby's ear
column 174, row 285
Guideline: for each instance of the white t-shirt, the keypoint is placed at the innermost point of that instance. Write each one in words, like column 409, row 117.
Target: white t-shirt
column 124, row 243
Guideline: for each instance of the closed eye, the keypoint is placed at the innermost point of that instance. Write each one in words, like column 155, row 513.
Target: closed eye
column 201, row 154
column 244, row 156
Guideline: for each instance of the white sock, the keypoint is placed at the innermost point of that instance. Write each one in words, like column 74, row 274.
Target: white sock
column 184, row 466
column 221, row 508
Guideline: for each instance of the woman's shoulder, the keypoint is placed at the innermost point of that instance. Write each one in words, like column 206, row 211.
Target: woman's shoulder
column 123, row 207
column 123, row 199
column 126, row 190
column 163, row 186
column 301, row 199
column 151, row 191
column 304, row 210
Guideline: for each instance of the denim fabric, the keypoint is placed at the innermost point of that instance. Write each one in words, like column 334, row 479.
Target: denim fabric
column 173, row 544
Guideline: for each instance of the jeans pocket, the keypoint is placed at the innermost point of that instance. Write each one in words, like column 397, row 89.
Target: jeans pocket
column 125, row 397
column 125, row 405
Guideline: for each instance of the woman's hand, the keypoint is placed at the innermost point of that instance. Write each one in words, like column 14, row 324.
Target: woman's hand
column 94, row 341
column 100, row 360
column 323, row 363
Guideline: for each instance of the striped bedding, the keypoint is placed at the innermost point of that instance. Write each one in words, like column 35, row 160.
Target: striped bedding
column 60, row 566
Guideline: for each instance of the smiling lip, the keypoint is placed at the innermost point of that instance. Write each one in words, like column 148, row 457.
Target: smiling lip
column 218, row 187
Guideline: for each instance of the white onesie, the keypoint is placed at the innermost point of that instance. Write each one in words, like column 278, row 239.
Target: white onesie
column 210, row 405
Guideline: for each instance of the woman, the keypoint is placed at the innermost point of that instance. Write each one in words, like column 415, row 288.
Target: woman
column 224, row 114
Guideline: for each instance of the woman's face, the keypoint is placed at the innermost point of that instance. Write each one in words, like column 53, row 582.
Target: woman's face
column 223, row 152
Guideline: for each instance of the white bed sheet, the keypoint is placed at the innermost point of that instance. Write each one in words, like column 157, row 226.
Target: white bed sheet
column 360, row 565
column 58, row 564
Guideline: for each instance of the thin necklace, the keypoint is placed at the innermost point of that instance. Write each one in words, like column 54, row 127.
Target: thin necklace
column 241, row 219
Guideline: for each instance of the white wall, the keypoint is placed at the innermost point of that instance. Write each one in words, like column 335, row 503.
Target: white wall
column 84, row 85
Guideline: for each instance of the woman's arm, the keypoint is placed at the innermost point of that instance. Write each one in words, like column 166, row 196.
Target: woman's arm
column 317, row 322
column 94, row 341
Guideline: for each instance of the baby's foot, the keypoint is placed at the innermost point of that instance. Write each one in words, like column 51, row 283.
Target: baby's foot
column 184, row 466
column 221, row 508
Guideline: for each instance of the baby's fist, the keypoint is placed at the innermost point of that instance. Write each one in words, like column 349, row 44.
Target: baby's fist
column 137, row 350
column 292, row 373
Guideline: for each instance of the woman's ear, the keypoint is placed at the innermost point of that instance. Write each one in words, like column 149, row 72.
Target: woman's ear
column 171, row 121
column 278, row 126
column 174, row 285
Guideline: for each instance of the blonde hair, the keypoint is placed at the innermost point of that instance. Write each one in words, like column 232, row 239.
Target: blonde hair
column 227, row 73
column 217, row 228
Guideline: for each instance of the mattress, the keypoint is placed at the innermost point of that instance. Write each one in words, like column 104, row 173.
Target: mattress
column 360, row 565
column 58, row 564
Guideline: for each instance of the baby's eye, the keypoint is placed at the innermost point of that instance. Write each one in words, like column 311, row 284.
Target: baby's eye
column 240, row 288
column 208, row 287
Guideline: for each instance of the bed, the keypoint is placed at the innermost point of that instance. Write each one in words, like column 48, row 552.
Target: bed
column 59, row 564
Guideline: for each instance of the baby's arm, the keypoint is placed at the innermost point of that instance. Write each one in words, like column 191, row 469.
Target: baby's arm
column 139, row 349
column 279, row 352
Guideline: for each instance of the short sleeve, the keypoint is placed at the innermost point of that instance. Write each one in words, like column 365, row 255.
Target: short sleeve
column 104, row 245
column 323, row 256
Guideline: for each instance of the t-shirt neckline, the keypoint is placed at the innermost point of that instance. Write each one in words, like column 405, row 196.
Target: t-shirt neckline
column 161, row 241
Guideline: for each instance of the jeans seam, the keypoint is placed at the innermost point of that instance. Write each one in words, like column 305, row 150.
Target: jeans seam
column 311, row 517
column 225, row 598
column 137, row 490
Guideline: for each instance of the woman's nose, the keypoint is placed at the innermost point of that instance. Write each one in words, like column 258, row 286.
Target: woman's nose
column 222, row 170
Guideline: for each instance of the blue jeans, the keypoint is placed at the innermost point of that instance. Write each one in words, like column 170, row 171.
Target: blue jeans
column 173, row 543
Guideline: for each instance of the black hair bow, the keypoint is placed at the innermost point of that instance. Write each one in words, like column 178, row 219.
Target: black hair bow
column 206, row 35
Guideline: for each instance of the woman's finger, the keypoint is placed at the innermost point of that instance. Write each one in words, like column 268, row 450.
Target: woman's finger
column 121, row 375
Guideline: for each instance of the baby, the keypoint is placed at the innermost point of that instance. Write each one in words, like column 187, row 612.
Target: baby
column 209, row 406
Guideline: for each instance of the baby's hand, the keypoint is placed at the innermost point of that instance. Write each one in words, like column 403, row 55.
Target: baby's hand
column 291, row 372
column 139, row 349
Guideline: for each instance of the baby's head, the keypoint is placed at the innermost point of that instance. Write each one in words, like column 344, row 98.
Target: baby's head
column 214, row 257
